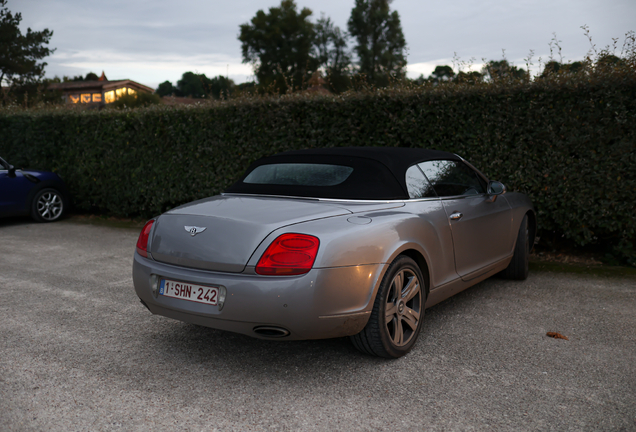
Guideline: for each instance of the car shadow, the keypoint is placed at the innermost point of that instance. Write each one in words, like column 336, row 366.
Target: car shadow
column 198, row 347
column 9, row 221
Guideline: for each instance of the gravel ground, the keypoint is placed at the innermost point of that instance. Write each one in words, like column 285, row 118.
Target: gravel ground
column 78, row 352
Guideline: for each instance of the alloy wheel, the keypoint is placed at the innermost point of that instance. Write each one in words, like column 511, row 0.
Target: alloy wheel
column 403, row 307
column 50, row 205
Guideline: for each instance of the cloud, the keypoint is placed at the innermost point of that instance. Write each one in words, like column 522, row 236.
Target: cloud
column 157, row 37
column 118, row 65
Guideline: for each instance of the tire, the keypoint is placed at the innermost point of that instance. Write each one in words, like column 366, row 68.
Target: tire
column 518, row 268
column 398, row 311
column 48, row 205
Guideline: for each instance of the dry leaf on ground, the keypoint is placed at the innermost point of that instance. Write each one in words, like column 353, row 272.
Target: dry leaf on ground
column 556, row 335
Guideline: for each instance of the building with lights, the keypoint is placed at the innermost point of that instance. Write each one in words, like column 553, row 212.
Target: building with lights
column 97, row 93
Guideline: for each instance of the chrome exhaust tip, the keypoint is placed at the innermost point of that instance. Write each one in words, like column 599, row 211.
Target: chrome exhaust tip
column 272, row 332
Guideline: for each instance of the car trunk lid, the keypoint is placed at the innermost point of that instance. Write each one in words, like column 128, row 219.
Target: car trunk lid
column 222, row 232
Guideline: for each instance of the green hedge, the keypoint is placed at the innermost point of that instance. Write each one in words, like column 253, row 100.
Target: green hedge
column 569, row 143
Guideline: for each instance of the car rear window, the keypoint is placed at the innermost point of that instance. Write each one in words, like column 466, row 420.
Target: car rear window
column 299, row 174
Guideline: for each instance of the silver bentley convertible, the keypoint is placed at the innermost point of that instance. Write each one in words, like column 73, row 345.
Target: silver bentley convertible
column 334, row 242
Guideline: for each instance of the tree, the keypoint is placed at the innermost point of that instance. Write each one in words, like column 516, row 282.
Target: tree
column 166, row 89
column 606, row 60
column 502, row 70
column 470, row 77
column 197, row 86
column 553, row 67
column 380, row 41
column 91, row 76
column 575, row 67
column 193, row 85
column 220, row 87
column 279, row 45
column 20, row 53
column 332, row 54
column 442, row 74
column 72, row 79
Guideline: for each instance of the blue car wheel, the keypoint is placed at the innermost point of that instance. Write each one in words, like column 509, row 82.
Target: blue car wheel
column 48, row 205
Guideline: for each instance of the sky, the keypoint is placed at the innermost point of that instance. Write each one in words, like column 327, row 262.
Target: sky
column 151, row 41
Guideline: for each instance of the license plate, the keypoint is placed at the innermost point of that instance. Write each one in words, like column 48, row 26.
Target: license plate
column 187, row 291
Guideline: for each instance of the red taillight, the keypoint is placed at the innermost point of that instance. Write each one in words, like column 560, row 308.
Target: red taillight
column 289, row 254
column 142, row 241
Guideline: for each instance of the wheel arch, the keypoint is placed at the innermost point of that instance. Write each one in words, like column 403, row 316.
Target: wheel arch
column 419, row 259
column 46, row 184
column 30, row 205
column 414, row 252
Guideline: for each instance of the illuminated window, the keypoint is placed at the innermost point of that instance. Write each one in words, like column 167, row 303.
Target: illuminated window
column 86, row 98
column 120, row 92
column 74, row 98
column 97, row 97
column 131, row 92
column 109, row 96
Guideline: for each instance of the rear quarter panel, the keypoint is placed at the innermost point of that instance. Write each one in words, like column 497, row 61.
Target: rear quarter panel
column 389, row 233
column 521, row 205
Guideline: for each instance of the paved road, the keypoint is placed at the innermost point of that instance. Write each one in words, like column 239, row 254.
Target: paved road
column 79, row 352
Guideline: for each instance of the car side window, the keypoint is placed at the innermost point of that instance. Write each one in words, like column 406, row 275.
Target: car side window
column 418, row 186
column 451, row 178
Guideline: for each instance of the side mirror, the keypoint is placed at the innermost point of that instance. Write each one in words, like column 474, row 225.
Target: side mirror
column 11, row 171
column 495, row 188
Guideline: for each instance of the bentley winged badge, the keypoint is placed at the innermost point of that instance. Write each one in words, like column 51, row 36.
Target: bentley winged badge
column 194, row 230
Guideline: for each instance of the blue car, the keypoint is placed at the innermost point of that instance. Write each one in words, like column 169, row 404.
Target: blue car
column 40, row 194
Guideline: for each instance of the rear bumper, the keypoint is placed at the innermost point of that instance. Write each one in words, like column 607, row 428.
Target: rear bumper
column 324, row 303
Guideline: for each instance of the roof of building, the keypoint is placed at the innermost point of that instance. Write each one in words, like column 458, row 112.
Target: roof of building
column 99, row 85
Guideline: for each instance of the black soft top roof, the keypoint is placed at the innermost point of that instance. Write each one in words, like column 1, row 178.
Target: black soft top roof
column 378, row 172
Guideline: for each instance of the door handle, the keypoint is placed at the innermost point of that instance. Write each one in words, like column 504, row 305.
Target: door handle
column 456, row 216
